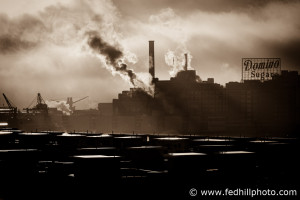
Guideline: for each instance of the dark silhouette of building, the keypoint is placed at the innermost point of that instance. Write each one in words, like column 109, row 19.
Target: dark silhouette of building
column 196, row 106
column 184, row 104
column 268, row 108
column 187, row 105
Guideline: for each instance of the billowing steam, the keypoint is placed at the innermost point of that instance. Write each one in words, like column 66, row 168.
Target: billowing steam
column 60, row 105
column 176, row 60
column 83, row 26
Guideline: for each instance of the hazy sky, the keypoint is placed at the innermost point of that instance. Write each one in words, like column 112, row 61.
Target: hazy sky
column 44, row 45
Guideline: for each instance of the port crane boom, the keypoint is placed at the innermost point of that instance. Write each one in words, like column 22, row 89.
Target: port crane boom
column 12, row 108
column 80, row 99
column 71, row 102
column 40, row 107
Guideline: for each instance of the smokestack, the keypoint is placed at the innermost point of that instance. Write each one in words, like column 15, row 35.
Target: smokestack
column 151, row 59
column 186, row 62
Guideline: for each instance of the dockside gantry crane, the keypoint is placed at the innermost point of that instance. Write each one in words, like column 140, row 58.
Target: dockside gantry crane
column 12, row 109
column 40, row 107
column 71, row 102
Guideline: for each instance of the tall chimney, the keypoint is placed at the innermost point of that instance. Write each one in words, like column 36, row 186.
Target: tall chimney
column 151, row 59
column 186, row 62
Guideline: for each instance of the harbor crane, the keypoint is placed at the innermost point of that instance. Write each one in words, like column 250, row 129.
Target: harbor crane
column 12, row 108
column 40, row 107
column 71, row 102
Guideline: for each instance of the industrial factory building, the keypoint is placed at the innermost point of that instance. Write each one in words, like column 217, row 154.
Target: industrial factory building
column 269, row 107
column 186, row 105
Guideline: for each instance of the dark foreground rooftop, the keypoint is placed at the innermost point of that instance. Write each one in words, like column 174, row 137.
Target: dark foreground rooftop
column 57, row 165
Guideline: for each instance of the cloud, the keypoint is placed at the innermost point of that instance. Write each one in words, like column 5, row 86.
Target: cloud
column 143, row 8
column 47, row 52
column 20, row 33
column 11, row 44
column 47, row 43
column 223, row 35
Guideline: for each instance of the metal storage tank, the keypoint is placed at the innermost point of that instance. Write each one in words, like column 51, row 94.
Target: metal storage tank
column 6, row 139
column 72, row 140
column 237, row 167
column 147, row 157
column 128, row 141
column 20, row 164
column 97, row 169
column 173, row 144
column 189, row 166
column 33, row 140
column 102, row 140
column 108, row 151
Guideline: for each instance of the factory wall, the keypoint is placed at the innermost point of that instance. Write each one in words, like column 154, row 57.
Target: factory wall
column 186, row 106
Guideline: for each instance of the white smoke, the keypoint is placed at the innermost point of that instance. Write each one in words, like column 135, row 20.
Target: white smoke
column 176, row 60
column 60, row 105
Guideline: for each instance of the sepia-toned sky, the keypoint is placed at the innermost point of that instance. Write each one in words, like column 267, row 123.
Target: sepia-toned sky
column 44, row 45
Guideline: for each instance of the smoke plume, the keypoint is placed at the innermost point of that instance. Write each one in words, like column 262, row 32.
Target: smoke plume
column 81, row 27
column 176, row 60
column 60, row 105
column 111, row 53
column 115, row 61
